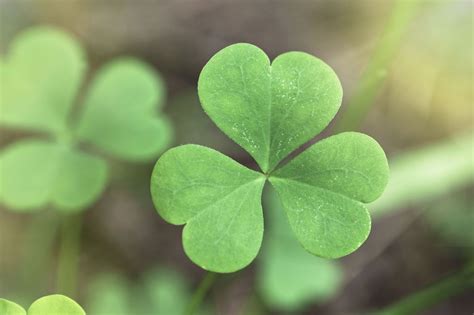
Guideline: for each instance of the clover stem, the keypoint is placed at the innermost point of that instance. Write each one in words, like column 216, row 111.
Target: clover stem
column 68, row 259
column 38, row 244
column 200, row 293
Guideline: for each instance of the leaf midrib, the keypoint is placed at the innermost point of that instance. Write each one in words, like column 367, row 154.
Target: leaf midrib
column 316, row 187
column 269, row 122
column 335, row 169
column 287, row 113
column 226, row 196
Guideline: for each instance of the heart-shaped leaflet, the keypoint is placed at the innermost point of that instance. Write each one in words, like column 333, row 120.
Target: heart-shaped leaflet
column 269, row 109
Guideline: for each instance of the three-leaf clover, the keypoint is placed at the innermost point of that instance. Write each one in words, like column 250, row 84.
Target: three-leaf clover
column 40, row 80
column 270, row 109
column 52, row 304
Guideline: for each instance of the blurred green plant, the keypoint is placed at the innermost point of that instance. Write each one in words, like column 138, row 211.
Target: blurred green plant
column 422, row 174
column 162, row 291
column 432, row 295
column 452, row 219
column 9, row 308
column 49, row 305
column 289, row 278
column 270, row 110
column 41, row 78
column 375, row 73
column 439, row 65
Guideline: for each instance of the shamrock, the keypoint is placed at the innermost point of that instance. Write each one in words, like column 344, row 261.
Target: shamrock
column 52, row 304
column 269, row 109
column 40, row 79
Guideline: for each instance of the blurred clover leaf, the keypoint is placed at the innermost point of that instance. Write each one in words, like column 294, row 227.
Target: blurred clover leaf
column 52, row 304
column 10, row 308
column 162, row 291
column 41, row 78
column 290, row 278
column 270, row 109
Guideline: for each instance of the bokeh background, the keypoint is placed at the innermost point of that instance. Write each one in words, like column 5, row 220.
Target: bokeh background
column 406, row 67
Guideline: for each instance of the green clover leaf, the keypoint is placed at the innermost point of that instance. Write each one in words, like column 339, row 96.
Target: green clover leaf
column 49, row 305
column 55, row 304
column 270, row 109
column 323, row 191
column 217, row 198
column 35, row 172
column 40, row 79
column 119, row 111
column 10, row 308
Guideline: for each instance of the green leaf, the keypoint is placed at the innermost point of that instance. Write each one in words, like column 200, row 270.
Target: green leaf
column 268, row 109
column 40, row 79
column 10, row 308
column 217, row 198
column 289, row 277
column 34, row 173
column 120, row 114
column 323, row 188
column 55, row 305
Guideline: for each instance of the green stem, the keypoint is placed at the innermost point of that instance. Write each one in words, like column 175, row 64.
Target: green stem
column 37, row 251
column 424, row 299
column 200, row 293
column 376, row 71
column 68, row 260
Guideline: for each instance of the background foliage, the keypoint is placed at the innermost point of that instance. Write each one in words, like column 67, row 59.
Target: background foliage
column 406, row 69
